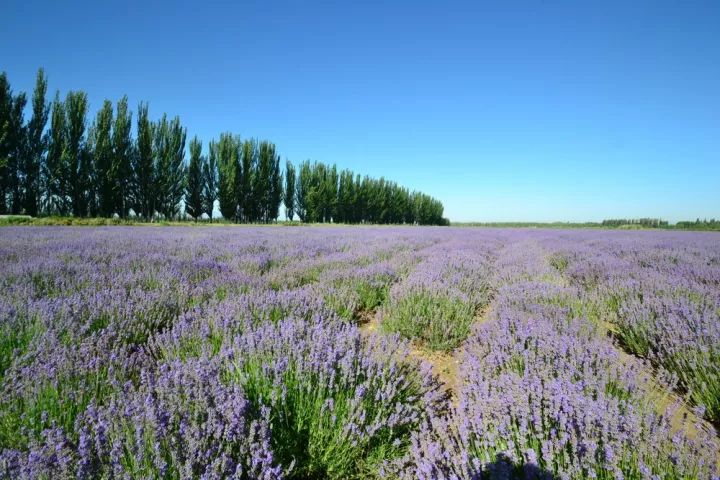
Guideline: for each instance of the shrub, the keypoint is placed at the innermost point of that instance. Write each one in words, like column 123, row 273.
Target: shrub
column 339, row 407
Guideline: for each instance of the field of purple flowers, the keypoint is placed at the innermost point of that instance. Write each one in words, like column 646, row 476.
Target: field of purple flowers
column 402, row 353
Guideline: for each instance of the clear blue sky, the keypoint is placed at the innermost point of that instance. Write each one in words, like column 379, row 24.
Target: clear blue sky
column 537, row 110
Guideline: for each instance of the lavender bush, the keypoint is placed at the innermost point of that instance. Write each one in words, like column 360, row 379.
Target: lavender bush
column 437, row 303
column 339, row 406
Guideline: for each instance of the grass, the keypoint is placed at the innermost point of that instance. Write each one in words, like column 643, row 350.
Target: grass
column 440, row 322
column 24, row 417
column 14, row 340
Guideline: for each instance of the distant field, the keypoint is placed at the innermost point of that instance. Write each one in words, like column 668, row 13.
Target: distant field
column 345, row 352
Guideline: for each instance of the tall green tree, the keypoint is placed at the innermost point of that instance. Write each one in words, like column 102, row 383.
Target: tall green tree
column 106, row 173
column 55, row 200
column 18, row 148
column 228, row 156
column 345, row 199
column 268, row 182
column 210, row 182
column 6, row 102
column 261, row 182
column 169, row 151
column 248, row 162
column 143, row 166
column 36, row 145
column 122, row 147
column 195, row 182
column 330, row 190
column 302, row 188
column 289, row 193
column 76, row 158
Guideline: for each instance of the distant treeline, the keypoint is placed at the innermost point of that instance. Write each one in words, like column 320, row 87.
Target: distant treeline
column 55, row 164
column 528, row 224
column 698, row 224
column 641, row 222
column 322, row 194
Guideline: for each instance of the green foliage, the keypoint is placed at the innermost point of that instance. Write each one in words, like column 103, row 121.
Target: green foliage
column 246, row 201
column 36, row 146
column 227, row 150
column 322, row 195
column 309, row 433
column 194, row 184
column 12, row 148
column 143, row 166
column 169, row 152
column 102, row 152
column 122, row 147
column 54, row 179
column 210, row 183
column 76, row 159
column 637, row 222
column 6, row 135
column 289, row 198
column 371, row 294
column 559, row 262
column 698, row 224
column 440, row 322
column 267, row 183
column 25, row 415
column 14, row 339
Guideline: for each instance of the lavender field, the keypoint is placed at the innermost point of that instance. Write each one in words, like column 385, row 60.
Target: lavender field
column 365, row 352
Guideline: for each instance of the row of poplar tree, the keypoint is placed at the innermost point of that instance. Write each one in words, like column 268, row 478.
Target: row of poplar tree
column 55, row 164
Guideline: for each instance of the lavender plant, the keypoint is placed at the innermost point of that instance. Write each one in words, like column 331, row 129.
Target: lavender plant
column 339, row 406
column 437, row 303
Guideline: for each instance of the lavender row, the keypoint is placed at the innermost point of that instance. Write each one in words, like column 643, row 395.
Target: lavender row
column 663, row 297
column 545, row 395
column 440, row 299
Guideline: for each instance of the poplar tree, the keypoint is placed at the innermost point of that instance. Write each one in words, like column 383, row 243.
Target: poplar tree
column 56, row 201
column 261, row 182
column 144, row 168
column 289, row 194
column 17, row 151
column 301, row 191
column 267, row 183
column 228, row 152
column 36, row 145
column 330, row 188
column 276, row 189
column 194, row 183
column 210, row 182
column 169, row 153
column 248, row 164
column 122, row 147
column 76, row 158
column 6, row 102
column 106, row 177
